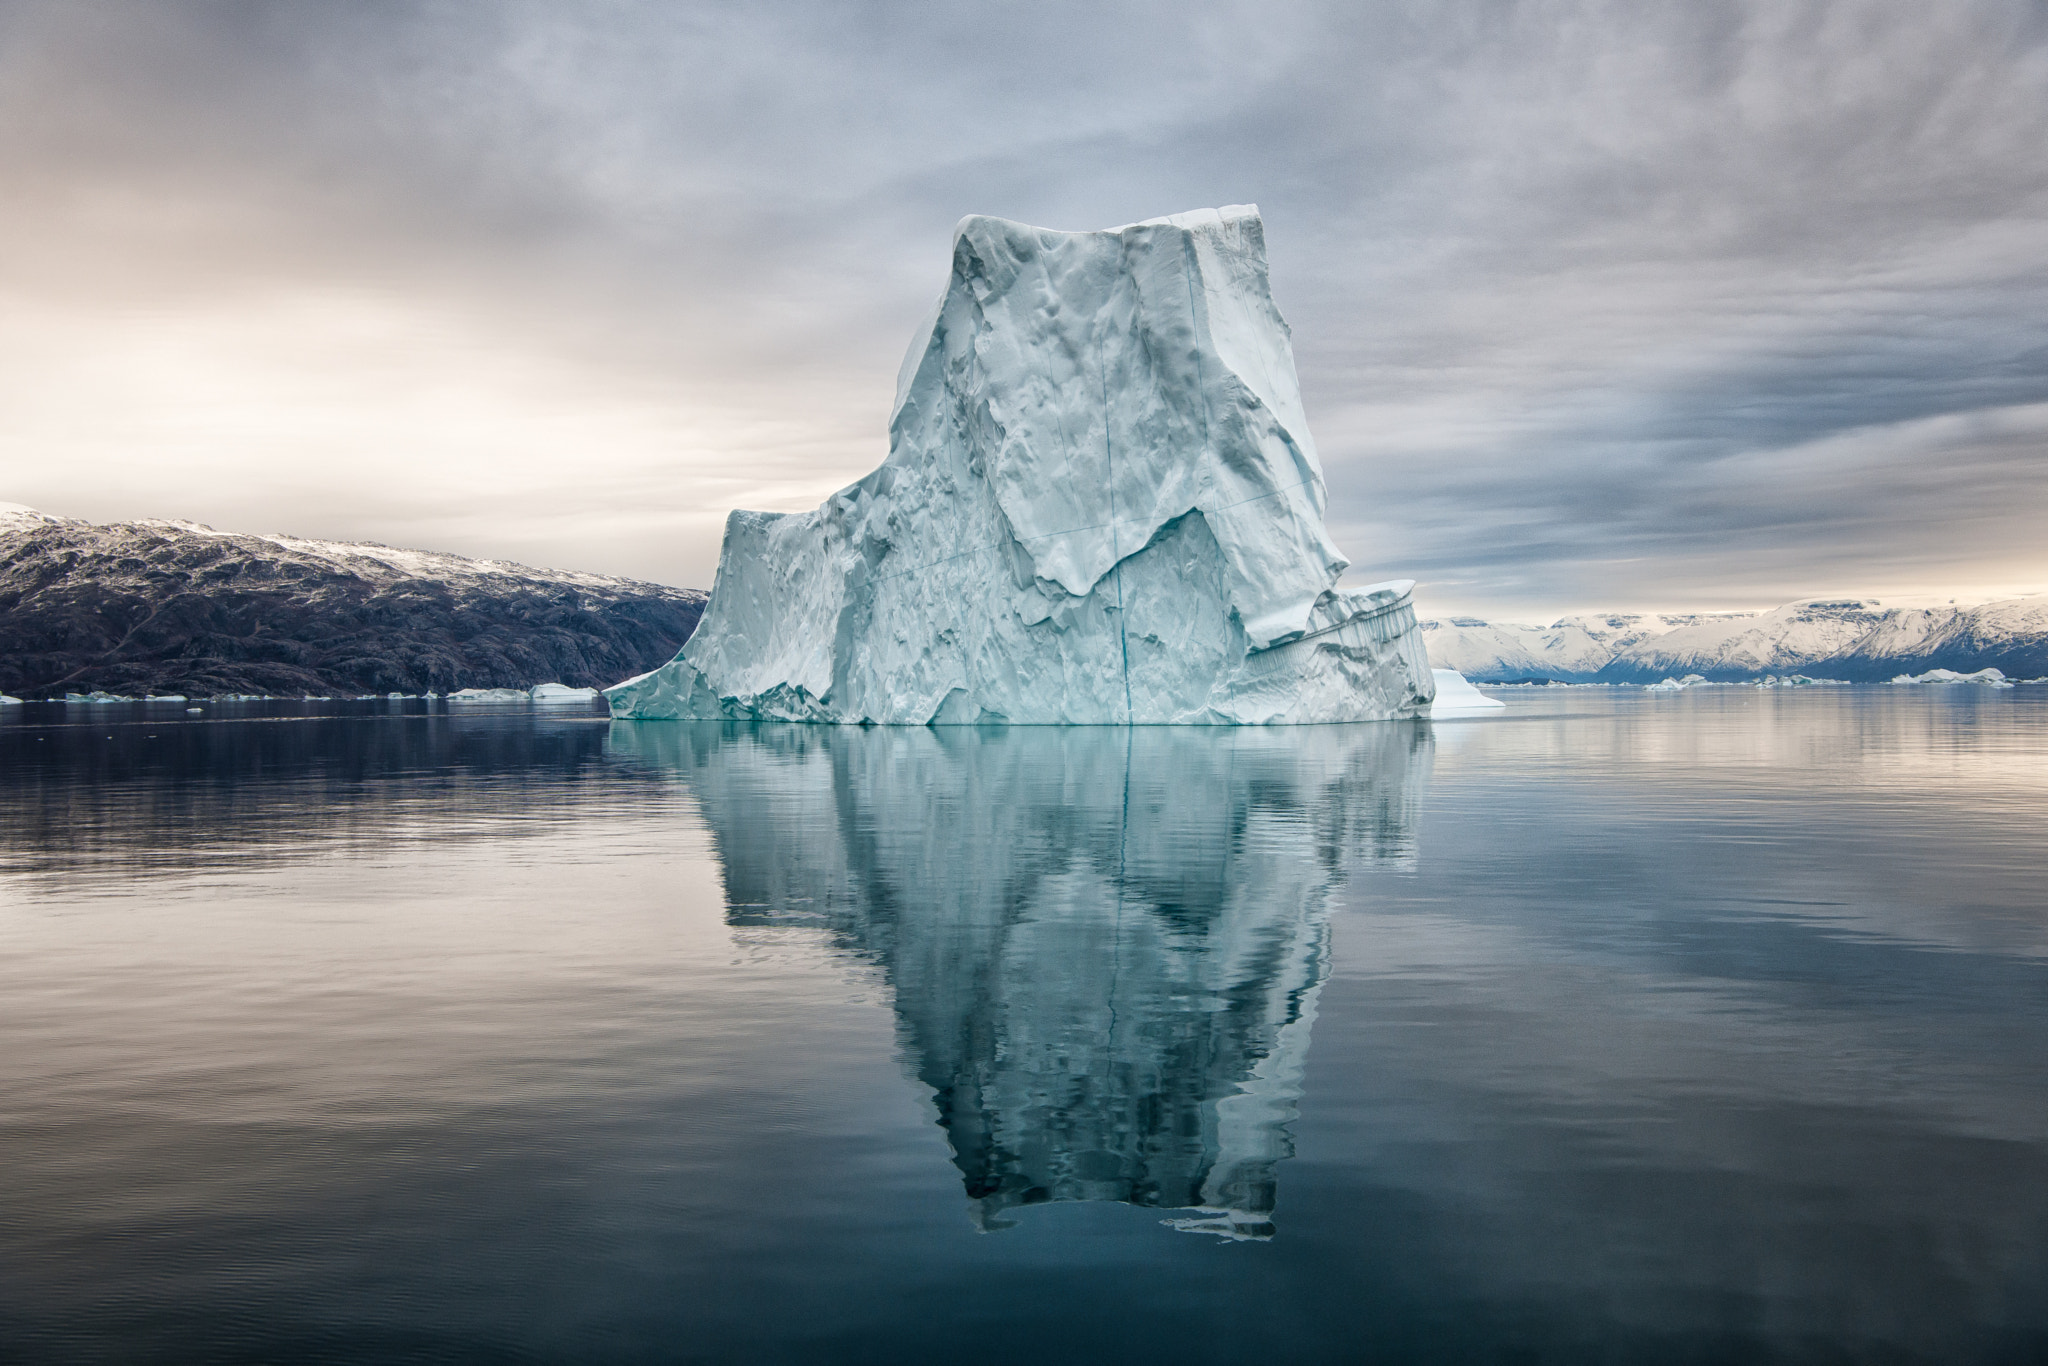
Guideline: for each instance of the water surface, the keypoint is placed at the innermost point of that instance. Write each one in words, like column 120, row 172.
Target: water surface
column 1623, row 1027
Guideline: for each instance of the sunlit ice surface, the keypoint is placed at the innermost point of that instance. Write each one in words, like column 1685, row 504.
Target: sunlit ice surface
column 1618, row 1026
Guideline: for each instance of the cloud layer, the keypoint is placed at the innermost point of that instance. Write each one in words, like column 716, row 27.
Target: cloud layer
column 1596, row 304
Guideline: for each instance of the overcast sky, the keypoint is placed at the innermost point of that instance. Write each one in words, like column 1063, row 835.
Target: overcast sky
column 1624, row 304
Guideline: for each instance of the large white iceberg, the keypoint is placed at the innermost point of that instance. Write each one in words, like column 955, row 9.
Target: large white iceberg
column 1101, row 505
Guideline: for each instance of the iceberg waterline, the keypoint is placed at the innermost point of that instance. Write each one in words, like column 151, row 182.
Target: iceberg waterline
column 1101, row 505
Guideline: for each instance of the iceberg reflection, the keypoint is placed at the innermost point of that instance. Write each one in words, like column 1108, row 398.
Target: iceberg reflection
column 1104, row 945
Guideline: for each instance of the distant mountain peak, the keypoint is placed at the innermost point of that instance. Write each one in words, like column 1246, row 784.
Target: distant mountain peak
column 1826, row 637
column 22, row 513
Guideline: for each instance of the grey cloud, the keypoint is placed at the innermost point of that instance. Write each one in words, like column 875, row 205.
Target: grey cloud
column 1581, row 290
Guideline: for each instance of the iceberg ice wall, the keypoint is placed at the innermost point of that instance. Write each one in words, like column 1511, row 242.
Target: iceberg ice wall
column 1101, row 505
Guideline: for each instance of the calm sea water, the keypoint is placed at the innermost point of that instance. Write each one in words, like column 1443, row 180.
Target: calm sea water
column 1620, row 1028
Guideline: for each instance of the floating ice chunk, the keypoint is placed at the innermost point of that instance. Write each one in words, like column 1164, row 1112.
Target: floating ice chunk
column 561, row 692
column 1101, row 505
column 1237, row 1226
column 1990, row 678
column 1456, row 697
column 96, row 697
column 6, row 701
column 489, row 695
column 1675, row 684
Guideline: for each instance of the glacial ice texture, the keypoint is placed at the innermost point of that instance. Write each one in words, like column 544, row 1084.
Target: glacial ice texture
column 1101, row 505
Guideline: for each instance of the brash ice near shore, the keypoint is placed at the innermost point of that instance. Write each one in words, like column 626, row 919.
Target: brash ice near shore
column 1101, row 505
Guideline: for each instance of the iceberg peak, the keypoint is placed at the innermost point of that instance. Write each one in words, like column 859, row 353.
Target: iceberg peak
column 1101, row 505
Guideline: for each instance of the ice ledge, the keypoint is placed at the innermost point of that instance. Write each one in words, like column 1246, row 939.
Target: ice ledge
column 1190, row 219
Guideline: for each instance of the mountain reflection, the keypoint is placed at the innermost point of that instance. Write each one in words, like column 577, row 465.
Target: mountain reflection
column 1104, row 945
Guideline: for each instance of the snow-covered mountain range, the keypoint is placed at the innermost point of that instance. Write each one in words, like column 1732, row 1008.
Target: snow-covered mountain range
column 1851, row 639
column 167, row 606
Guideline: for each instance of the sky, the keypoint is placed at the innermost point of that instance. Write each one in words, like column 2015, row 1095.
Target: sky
column 1596, row 305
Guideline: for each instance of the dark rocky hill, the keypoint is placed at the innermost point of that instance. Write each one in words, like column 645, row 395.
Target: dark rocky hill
column 174, row 607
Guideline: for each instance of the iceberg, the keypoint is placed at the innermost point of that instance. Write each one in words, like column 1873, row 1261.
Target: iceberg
column 1990, row 678
column 1101, row 505
column 1457, row 697
column 561, row 692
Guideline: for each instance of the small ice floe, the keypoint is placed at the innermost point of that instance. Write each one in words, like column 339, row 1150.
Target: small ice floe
column 165, row 697
column 562, row 692
column 1990, row 678
column 489, row 695
column 1236, row 1225
column 1799, row 681
column 1457, row 697
column 195, row 711
column 1676, row 684
column 6, row 701
column 244, row 697
column 94, row 698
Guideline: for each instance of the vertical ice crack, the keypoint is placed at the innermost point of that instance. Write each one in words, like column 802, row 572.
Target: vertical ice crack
column 1115, row 551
